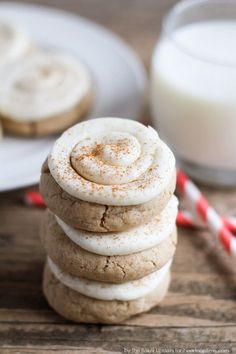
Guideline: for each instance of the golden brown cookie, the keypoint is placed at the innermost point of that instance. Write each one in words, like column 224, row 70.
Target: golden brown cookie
column 44, row 92
column 96, row 217
column 80, row 308
column 50, row 125
column 114, row 269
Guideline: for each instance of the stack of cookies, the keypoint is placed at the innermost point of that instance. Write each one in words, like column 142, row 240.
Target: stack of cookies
column 109, row 231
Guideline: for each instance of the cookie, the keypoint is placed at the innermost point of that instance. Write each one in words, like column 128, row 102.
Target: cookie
column 95, row 217
column 126, row 291
column 48, row 126
column 112, row 161
column 15, row 43
column 126, row 242
column 80, row 308
column 44, row 93
column 114, row 269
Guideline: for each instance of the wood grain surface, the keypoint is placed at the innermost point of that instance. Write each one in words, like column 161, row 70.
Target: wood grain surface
column 199, row 312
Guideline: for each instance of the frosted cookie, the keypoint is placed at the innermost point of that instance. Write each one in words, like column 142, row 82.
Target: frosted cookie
column 132, row 261
column 134, row 240
column 44, row 93
column 97, row 217
column 78, row 307
column 108, row 174
column 14, row 43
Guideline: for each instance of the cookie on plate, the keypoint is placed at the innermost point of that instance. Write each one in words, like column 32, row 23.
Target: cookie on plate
column 44, row 93
column 15, row 43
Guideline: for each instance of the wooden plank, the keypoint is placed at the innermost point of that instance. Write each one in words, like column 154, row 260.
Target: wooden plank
column 68, row 350
column 69, row 333
column 125, row 347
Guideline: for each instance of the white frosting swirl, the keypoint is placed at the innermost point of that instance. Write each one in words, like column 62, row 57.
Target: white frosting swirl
column 42, row 85
column 131, row 241
column 14, row 43
column 112, row 161
column 127, row 291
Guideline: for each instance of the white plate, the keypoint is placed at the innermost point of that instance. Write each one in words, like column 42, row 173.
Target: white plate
column 119, row 77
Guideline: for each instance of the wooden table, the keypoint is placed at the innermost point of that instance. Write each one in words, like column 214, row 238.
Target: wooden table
column 200, row 309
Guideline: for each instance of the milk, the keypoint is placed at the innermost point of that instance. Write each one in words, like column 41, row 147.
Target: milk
column 194, row 92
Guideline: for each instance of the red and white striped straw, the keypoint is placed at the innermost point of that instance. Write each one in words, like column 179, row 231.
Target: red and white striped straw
column 34, row 198
column 205, row 211
column 186, row 219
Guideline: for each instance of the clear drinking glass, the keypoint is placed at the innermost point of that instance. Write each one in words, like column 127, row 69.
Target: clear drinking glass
column 193, row 88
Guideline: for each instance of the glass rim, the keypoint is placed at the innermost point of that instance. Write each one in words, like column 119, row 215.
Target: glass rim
column 176, row 10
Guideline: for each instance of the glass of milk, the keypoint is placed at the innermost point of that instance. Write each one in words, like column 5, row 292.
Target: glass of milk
column 193, row 88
